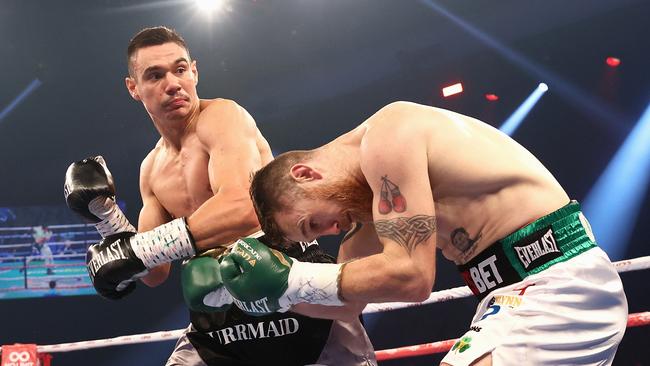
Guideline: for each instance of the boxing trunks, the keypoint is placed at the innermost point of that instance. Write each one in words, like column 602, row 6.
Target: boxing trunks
column 233, row 338
column 548, row 296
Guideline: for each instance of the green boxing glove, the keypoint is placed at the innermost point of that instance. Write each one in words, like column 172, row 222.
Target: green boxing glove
column 263, row 280
column 203, row 289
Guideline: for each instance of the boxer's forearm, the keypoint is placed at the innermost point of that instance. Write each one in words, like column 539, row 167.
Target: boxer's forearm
column 221, row 220
column 382, row 278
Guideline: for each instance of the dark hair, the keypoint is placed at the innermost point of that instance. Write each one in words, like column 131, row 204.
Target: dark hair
column 153, row 36
column 268, row 187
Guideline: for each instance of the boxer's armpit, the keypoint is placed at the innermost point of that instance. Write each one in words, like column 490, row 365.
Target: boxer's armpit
column 409, row 232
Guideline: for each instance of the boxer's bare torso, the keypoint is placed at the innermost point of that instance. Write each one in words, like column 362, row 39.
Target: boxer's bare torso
column 203, row 174
column 179, row 177
column 484, row 185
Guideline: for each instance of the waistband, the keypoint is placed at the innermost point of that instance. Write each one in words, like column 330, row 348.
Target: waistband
column 554, row 238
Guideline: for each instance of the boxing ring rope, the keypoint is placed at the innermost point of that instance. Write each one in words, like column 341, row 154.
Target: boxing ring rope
column 627, row 265
column 634, row 320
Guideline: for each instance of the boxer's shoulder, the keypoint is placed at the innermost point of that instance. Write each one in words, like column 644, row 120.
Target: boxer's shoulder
column 219, row 107
column 222, row 118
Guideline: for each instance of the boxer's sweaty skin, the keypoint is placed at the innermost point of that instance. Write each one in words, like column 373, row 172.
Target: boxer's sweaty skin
column 201, row 166
column 460, row 186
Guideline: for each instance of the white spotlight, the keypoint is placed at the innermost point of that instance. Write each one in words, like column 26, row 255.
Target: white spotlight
column 209, row 6
column 542, row 87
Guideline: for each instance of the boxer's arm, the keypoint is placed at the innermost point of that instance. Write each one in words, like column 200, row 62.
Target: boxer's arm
column 228, row 134
column 394, row 160
column 152, row 215
column 360, row 242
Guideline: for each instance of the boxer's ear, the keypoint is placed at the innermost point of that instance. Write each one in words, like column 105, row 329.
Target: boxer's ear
column 304, row 173
column 195, row 71
column 130, row 86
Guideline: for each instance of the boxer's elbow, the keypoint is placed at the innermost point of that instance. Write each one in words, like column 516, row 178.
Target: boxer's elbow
column 418, row 290
column 413, row 284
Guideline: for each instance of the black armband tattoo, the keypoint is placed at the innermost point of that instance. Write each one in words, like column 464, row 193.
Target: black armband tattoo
column 408, row 232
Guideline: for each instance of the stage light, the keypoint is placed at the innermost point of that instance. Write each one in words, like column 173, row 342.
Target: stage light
column 613, row 203
column 491, row 97
column 602, row 112
column 209, row 6
column 512, row 123
column 452, row 90
column 20, row 98
column 613, row 61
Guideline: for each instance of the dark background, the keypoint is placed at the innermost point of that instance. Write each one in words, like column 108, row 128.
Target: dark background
column 309, row 70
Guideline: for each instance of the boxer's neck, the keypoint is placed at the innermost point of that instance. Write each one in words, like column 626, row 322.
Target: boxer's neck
column 173, row 132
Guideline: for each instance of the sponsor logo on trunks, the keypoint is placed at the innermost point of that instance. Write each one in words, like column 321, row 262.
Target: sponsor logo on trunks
column 498, row 301
column 475, row 328
column 537, row 249
column 462, row 344
column 112, row 253
column 249, row 331
column 257, row 306
column 485, row 275
column 507, row 300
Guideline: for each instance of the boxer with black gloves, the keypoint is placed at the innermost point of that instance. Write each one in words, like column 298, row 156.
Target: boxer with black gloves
column 123, row 256
column 200, row 170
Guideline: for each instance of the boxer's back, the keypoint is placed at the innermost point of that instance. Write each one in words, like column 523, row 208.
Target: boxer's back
column 484, row 184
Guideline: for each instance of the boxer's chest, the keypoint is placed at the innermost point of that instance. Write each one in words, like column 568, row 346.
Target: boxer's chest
column 181, row 181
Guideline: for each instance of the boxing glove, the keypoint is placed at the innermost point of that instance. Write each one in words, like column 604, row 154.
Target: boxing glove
column 203, row 289
column 117, row 261
column 262, row 280
column 90, row 192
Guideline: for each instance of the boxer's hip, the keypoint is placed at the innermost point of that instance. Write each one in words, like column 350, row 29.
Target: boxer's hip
column 551, row 239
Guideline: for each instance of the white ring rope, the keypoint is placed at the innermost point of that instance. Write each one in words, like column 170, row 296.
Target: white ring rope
column 50, row 243
column 29, row 228
column 627, row 265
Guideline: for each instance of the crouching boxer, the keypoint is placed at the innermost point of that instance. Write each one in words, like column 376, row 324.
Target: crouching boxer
column 413, row 179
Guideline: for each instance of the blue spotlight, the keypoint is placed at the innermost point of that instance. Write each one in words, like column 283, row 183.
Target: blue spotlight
column 21, row 97
column 614, row 201
column 510, row 125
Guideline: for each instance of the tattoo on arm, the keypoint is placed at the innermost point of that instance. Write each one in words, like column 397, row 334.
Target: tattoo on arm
column 408, row 232
column 390, row 190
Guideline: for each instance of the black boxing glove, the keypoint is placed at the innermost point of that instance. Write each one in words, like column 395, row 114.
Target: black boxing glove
column 115, row 263
column 113, row 266
column 90, row 192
